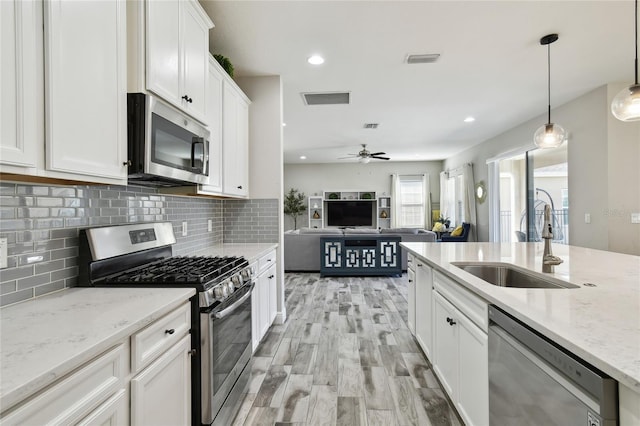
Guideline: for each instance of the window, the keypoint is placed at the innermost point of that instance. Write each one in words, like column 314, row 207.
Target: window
column 454, row 208
column 412, row 201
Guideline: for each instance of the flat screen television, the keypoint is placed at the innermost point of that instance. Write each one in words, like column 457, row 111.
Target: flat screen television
column 350, row 213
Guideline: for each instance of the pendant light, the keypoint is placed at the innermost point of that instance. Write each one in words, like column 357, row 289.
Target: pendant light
column 626, row 105
column 550, row 135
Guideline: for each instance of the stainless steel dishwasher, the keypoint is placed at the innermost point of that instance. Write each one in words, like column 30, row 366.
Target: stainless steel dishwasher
column 533, row 381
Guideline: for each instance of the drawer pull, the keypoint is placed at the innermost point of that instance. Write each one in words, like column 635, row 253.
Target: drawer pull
column 420, row 264
column 192, row 352
column 410, row 281
column 451, row 321
column 270, row 276
column 170, row 331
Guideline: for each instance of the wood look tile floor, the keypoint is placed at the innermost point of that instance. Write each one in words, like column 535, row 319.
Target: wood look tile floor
column 343, row 357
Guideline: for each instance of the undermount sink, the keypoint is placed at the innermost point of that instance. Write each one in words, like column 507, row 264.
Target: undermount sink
column 506, row 275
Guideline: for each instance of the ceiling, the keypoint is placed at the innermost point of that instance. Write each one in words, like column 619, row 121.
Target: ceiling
column 491, row 67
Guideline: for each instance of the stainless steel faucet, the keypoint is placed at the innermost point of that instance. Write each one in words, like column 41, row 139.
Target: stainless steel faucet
column 548, row 259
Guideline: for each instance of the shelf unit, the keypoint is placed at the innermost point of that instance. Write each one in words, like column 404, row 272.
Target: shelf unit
column 384, row 211
column 316, row 212
column 316, row 205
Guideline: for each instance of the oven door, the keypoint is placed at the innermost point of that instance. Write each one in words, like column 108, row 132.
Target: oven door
column 225, row 352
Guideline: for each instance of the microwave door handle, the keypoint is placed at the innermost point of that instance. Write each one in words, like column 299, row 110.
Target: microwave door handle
column 227, row 311
column 196, row 141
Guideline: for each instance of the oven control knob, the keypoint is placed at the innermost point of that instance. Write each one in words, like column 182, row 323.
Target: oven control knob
column 219, row 292
column 236, row 281
column 230, row 287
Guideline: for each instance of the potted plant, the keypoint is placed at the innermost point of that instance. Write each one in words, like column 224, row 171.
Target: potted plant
column 294, row 205
column 225, row 63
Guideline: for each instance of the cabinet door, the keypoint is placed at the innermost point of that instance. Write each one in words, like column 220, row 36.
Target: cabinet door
column 114, row 412
column 163, row 49
column 445, row 344
column 273, row 294
column 473, row 373
column 424, row 307
column 255, row 318
column 21, row 83
column 161, row 393
column 195, row 55
column 411, row 298
column 243, row 147
column 263, row 299
column 214, row 124
column 85, row 80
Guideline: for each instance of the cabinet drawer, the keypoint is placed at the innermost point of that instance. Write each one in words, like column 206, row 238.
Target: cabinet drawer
column 266, row 261
column 468, row 303
column 77, row 395
column 149, row 343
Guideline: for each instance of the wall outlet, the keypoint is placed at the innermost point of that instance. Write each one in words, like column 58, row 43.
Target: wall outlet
column 209, row 225
column 587, row 218
column 184, row 229
column 3, row 252
column 635, row 217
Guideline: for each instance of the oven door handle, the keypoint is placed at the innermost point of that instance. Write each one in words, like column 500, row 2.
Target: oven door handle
column 228, row 311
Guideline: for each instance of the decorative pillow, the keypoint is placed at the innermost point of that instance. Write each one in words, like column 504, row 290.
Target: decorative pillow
column 439, row 227
column 361, row 231
column 457, row 232
column 413, row 231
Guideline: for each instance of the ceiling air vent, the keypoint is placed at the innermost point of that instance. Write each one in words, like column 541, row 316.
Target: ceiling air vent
column 423, row 59
column 371, row 125
column 326, row 98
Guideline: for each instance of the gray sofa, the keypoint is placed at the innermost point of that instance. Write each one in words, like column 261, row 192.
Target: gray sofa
column 302, row 247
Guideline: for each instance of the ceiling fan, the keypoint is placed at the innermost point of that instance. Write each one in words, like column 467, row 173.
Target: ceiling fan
column 364, row 156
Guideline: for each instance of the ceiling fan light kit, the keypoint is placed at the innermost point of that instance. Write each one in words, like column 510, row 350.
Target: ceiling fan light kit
column 550, row 135
column 626, row 105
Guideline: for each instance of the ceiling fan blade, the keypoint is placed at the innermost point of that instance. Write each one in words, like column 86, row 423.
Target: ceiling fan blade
column 380, row 158
column 377, row 153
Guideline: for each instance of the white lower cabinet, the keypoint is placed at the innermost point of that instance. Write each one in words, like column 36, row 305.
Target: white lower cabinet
column 264, row 301
column 460, row 351
column 424, row 307
column 115, row 389
column 161, row 393
column 78, row 395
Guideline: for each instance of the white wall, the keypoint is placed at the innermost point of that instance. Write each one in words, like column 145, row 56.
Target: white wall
column 265, row 155
column 375, row 176
column 604, row 180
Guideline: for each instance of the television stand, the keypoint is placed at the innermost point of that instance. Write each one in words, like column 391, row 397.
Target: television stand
column 360, row 255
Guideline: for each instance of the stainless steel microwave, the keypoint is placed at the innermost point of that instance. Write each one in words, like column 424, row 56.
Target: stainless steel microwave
column 165, row 146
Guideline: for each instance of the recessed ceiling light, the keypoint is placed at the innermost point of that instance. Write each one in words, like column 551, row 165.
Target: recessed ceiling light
column 469, row 120
column 315, row 60
column 303, row 157
column 284, row 124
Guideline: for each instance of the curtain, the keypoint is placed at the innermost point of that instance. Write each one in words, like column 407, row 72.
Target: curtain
column 395, row 199
column 469, row 199
column 427, row 201
column 444, row 197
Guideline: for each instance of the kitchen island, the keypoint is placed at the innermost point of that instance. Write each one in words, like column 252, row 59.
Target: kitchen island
column 599, row 322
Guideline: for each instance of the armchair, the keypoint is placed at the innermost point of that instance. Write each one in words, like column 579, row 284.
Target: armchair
column 461, row 238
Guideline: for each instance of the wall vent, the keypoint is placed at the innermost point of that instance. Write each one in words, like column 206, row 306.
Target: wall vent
column 326, row 98
column 371, row 125
column 423, row 59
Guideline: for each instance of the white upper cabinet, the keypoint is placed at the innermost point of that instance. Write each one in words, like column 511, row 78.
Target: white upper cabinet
column 63, row 90
column 235, row 141
column 21, row 85
column 85, row 54
column 177, row 52
column 214, row 124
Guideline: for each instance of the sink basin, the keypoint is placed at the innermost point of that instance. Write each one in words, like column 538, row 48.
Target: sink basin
column 506, row 275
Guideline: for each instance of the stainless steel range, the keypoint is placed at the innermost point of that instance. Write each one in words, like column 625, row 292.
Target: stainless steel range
column 141, row 255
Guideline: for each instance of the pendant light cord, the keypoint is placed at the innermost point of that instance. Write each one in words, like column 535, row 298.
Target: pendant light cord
column 636, row 39
column 549, row 80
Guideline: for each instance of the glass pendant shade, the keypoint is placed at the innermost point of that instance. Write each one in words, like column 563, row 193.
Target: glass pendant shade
column 550, row 136
column 626, row 105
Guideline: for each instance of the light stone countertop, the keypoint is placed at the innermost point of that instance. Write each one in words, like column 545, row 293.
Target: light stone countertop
column 599, row 324
column 45, row 338
column 251, row 251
